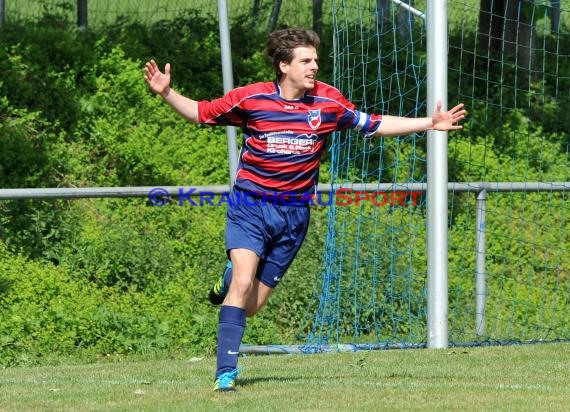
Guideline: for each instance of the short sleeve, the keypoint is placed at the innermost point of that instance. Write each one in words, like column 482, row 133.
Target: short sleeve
column 224, row 111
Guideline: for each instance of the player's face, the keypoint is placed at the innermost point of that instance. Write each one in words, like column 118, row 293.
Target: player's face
column 301, row 73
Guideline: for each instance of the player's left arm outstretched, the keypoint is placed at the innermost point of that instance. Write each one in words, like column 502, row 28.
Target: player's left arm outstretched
column 442, row 121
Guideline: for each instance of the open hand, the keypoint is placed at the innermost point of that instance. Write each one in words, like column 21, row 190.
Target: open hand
column 157, row 81
column 448, row 120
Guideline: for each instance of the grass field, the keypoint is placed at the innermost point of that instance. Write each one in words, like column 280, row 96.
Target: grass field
column 510, row 378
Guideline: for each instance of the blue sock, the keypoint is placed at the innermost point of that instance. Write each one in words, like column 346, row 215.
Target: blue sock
column 228, row 275
column 230, row 331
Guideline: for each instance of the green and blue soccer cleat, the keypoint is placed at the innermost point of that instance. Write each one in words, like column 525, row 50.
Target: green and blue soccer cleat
column 220, row 289
column 226, row 382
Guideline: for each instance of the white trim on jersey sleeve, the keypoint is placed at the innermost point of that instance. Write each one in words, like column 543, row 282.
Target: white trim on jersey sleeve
column 362, row 122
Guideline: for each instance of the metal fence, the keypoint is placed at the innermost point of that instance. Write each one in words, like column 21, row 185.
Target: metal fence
column 479, row 189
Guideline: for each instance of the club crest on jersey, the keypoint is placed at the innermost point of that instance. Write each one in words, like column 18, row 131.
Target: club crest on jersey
column 314, row 118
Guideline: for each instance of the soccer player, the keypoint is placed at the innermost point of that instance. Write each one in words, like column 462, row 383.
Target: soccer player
column 285, row 124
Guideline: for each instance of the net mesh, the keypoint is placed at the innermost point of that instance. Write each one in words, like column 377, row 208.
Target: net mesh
column 508, row 65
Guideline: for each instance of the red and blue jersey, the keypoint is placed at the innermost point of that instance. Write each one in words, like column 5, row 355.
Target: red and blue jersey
column 283, row 139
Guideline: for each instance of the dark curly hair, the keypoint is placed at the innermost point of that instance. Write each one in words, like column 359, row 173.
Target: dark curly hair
column 281, row 43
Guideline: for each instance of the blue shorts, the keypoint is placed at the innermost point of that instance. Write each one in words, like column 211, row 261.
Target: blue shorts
column 274, row 232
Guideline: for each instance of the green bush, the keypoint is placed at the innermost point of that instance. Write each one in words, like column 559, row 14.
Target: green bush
column 46, row 310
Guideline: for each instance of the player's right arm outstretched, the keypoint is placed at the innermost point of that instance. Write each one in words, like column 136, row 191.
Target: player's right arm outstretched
column 159, row 83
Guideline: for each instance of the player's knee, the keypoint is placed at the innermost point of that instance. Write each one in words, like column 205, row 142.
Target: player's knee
column 253, row 308
column 249, row 312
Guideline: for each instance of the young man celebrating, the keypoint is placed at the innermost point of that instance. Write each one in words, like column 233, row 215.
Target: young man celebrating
column 285, row 124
